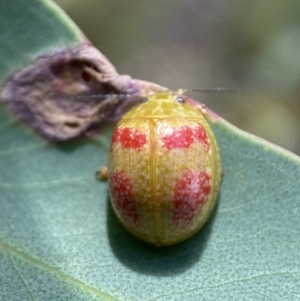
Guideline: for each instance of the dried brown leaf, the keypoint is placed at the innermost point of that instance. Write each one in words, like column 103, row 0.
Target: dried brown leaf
column 73, row 93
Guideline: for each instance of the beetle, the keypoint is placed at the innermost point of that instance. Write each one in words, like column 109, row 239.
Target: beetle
column 164, row 170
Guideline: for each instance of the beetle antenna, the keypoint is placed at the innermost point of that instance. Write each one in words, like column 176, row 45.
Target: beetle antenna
column 100, row 96
column 215, row 89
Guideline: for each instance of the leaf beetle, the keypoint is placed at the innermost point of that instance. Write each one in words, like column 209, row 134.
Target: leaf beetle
column 164, row 169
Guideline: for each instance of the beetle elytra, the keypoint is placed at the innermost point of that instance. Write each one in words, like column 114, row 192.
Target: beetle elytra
column 164, row 169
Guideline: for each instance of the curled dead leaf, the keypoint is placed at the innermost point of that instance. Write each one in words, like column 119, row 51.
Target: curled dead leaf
column 53, row 95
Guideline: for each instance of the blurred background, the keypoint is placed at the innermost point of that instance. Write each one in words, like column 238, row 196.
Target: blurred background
column 252, row 46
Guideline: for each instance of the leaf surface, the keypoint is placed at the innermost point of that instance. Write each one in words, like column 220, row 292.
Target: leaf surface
column 60, row 240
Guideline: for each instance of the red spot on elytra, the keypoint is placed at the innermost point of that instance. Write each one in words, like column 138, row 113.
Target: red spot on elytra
column 121, row 190
column 180, row 138
column 191, row 191
column 200, row 134
column 129, row 138
column 184, row 137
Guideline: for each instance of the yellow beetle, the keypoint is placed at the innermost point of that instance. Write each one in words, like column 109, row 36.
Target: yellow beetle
column 164, row 169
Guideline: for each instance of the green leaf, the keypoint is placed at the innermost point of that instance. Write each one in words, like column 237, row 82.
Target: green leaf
column 60, row 240
column 31, row 28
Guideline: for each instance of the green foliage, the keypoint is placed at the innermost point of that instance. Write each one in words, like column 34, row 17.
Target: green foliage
column 60, row 240
column 30, row 28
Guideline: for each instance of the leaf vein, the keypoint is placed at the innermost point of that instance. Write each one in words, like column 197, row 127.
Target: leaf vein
column 20, row 277
column 85, row 287
column 228, row 283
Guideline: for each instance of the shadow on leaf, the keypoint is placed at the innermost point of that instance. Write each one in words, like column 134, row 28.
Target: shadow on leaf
column 159, row 261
